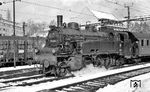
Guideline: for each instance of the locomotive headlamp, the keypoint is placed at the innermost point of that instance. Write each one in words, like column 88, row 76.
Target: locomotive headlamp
column 137, row 42
column 53, row 51
column 36, row 50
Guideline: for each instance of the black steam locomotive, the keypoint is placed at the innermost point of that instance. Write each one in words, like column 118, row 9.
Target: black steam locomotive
column 69, row 48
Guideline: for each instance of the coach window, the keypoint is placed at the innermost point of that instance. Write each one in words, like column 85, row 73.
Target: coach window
column 147, row 42
column 21, row 44
column 1, row 47
column 142, row 42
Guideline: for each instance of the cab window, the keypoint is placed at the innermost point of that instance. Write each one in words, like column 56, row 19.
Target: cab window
column 147, row 42
column 142, row 42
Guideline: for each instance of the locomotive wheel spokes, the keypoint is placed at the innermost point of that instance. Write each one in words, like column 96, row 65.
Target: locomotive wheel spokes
column 112, row 61
column 107, row 63
column 117, row 62
column 121, row 59
column 100, row 61
column 97, row 62
column 61, row 71
column 137, row 60
column 51, row 70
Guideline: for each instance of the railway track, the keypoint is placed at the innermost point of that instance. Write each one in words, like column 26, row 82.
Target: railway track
column 8, row 82
column 23, row 78
column 11, row 70
column 18, row 72
column 128, row 65
column 98, row 82
column 93, row 84
column 29, row 72
column 14, row 71
column 38, row 79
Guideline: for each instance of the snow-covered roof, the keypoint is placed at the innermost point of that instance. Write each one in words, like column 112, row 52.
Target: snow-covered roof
column 46, row 29
column 40, row 34
column 102, row 15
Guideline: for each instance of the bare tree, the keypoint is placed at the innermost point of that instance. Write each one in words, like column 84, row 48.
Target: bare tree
column 35, row 27
column 52, row 23
column 141, row 27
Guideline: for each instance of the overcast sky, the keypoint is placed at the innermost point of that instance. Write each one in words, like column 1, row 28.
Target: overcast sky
column 47, row 10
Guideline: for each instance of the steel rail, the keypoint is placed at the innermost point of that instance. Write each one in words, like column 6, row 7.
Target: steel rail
column 101, row 78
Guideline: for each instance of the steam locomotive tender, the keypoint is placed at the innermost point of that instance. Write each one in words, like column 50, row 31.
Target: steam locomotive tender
column 69, row 48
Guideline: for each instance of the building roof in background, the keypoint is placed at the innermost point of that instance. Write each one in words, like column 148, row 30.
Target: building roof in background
column 40, row 34
column 102, row 15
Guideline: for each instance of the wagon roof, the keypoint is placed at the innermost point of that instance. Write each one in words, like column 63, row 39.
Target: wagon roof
column 140, row 35
column 14, row 38
column 103, row 15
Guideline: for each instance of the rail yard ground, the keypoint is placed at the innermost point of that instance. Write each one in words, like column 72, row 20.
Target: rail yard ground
column 82, row 74
column 16, row 68
column 81, row 46
column 124, row 86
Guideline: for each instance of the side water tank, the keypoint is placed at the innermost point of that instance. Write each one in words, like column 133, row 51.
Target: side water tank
column 73, row 25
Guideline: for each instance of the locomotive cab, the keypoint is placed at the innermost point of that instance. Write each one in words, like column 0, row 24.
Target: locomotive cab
column 128, row 45
column 124, row 44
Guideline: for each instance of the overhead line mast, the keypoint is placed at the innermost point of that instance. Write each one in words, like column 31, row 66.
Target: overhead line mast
column 128, row 16
column 128, row 10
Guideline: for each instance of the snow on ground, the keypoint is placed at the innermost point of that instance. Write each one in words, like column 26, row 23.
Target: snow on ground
column 16, row 68
column 124, row 86
column 2, row 80
column 79, row 78
column 1, row 85
column 88, row 70
column 28, row 81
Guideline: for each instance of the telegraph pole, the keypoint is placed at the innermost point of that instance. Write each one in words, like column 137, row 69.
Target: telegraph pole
column 128, row 16
column 23, row 26
column 14, row 33
column 25, row 52
column 128, row 10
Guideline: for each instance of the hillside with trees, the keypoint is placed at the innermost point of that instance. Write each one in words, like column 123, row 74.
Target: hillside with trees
column 140, row 27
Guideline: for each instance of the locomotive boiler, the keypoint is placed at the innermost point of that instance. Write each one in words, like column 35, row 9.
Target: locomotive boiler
column 69, row 48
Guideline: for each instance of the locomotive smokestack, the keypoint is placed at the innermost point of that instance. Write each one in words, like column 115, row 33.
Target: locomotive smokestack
column 59, row 20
